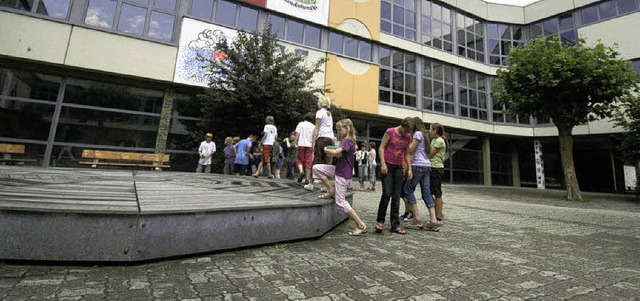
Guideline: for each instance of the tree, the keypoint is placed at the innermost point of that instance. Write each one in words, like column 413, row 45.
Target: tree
column 256, row 78
column 572, row 84
column 628, row 117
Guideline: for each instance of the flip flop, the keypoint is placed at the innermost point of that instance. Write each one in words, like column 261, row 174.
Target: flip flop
column 326, row 196
column 399, row 231
column 379, row 227
column 355, row 233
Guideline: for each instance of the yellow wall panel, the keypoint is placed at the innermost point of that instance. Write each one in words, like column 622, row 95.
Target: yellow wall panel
column 366, row 12
column 356, row 92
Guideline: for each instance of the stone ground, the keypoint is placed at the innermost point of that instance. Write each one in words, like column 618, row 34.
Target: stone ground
column 496, row 244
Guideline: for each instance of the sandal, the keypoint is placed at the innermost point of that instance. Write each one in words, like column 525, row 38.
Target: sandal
column 379, row 228
column 399, row 231
column 358, row 231
column 326, row 196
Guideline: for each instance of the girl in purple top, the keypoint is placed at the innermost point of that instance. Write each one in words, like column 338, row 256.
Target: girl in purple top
column 342, row 172
column 393, row 150
column 421, row 173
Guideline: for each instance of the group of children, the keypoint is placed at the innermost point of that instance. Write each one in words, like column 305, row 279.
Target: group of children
column 407, row 158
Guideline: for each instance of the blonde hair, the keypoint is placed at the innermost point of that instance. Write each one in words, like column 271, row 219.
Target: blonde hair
column 351, row 130
column 208, row 135
column 228, row 141
column 269, row 120
column 324, row 102
column 236, row 139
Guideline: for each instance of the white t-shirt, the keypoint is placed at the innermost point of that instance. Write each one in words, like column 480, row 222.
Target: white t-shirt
column 305, row 133
column 272, row 132
column 326, row 124
column 206, row 149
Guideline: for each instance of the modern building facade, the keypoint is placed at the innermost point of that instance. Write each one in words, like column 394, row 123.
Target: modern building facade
column 123, row 75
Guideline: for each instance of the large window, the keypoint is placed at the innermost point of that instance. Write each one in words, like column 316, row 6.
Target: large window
column 606, row 10
column 437, row 87
column 296, row 31
column 399, row 18
column 53, row 8
column 503, row 37
column 350, row 46
column 473, row 94
column 154, row 19
column 437, row 28
column 562, row 26
column 470, row 37
column 397, row 77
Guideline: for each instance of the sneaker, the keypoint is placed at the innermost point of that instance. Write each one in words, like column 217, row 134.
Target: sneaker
column 407, row 216
column 300, row 178
column 308, row 187
column 431, row 226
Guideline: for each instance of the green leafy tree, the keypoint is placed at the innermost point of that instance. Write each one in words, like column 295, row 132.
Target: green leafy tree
column 256, row 79
column 572, row 84
column 628, row 117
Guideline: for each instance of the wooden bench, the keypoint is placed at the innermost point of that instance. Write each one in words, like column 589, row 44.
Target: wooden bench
column 129, row 159
column 8, row 149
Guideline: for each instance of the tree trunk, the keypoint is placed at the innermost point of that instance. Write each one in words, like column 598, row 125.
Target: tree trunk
column 566, row 154
column 638, row 176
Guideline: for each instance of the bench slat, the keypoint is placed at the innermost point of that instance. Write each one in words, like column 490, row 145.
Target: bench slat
column 124, row 164
column 126, row 156
column 12, row 148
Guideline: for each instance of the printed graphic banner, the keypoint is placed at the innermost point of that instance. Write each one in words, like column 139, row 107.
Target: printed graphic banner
column 316, row 11
column 197, row 47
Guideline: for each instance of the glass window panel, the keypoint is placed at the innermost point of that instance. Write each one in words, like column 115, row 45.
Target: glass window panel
column 483, row 115
column 492, row 28
column 438, row 71
column 410, row 84
column 398, row 81
column 398, row 30
column 398, row 98
column 108, row 128
column 494, row 47
column 312, row 36
column 410, row 18
column 569, row 36
column 100, row 13
column 427, row 89
column 535, row 30
column 201, row 9
column 29, row 85
column 365, row 50
column 385, row 56
column 398, row 14
column 161, row 26
column 473, row 113
column 350, row 47
column 427, row 69
column 636, row 66
column 248, row 19
column 438, row 91
column 18, row 4
column 517, row 33
column 589, row 14
column 449, row 108
column 410, row 34
column 473, row 98
column 426, row 28
column 144, row 2
column 438, row 106
column 53, row 8
column 113, row 96
column 410, row 63
column 166, row 4
column 494, row 60
column 464, row 97
column 335, row 42
column 448, row 73
column 426, row 8
column 226, row 12
column 427, row 104
column 385, row 10
column 607, row 9
column 398, row 60
column 295, row 31
column 448, row 93
column 410, row 101
column 436, row 12
column 385, row 96
column 436, row 29
column 482, row 100
column 550, row 26
column 385, row 78
column 446, row 15
column 459, row 21
column 566, row 21
column 410, row 4
column 277, row 25
column 498, row 117
column 132, row 19
column 626, row 6
column 385, row 26
column 25, row 120
column 186, row 106
column 464, row 111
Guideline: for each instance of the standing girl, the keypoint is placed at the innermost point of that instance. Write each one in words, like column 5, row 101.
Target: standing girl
column 322, row 134
column 342, row 172
column 393, row 149
column 372, row 166
column 436, row 155
column 421, row 171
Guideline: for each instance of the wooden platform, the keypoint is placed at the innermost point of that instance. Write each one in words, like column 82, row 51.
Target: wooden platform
column 113, row 215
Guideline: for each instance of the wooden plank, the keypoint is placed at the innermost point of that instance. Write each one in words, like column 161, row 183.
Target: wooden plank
column 124, row 164
column 76, row 202
column 12, row 148
column 125, row 156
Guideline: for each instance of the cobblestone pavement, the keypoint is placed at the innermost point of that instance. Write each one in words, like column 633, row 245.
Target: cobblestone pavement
column 496, row 244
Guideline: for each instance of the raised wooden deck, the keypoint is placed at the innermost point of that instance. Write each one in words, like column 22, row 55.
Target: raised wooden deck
column 115, row 215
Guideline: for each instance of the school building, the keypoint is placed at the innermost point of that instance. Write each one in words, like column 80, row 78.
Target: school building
column 121, row 75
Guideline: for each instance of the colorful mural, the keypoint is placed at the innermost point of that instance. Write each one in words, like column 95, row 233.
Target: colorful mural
column 196, row 49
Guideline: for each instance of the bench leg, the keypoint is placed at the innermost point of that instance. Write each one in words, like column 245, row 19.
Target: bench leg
column 95, row 165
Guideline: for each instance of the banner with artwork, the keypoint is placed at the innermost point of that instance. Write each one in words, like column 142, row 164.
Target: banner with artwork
column 197, row 47
column 316, row 11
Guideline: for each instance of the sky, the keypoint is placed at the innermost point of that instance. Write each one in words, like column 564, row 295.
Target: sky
column 513, row 2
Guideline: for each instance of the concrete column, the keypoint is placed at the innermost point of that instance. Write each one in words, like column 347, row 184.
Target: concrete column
column 486, row 161
column 515, row 166
column 537, row 148
column 165, row 122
